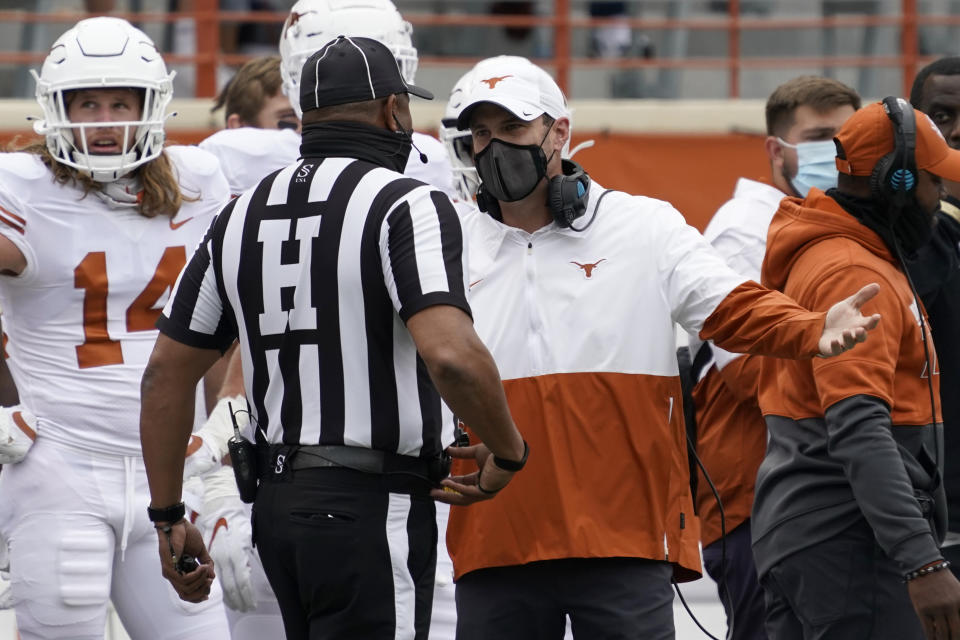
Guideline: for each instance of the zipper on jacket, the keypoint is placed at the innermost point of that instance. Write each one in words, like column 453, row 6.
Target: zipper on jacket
column 535, row 322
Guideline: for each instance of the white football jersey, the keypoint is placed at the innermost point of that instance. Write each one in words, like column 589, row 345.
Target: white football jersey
column 437, row 171
column 80, row 318
column 247, row 155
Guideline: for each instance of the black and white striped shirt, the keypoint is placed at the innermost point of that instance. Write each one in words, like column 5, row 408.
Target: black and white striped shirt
column 316, row 271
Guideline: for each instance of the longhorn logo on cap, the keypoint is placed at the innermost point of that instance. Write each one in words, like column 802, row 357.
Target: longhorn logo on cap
column 492, row 82
column 292, row 20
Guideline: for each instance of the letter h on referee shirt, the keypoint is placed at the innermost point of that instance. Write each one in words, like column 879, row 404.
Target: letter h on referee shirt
column 281, row 275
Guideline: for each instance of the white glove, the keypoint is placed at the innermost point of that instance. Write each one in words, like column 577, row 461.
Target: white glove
column 192, row 496
column 225, row 523
column 18, row 430
column 208, row 445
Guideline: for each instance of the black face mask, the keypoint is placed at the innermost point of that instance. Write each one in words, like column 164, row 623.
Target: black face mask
column 914, row 227
column 910, row 229
column 359, row 140
column 509, row 171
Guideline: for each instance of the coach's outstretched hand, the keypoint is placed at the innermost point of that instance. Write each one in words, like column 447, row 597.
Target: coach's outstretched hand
column 845, row 326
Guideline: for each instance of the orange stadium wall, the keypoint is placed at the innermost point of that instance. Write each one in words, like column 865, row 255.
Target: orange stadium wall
column 694, row 172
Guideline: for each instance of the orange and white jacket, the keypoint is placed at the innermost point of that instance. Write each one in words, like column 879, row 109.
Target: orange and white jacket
column 581, row 326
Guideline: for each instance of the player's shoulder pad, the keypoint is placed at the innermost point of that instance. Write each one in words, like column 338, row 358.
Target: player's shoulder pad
column 19, row 170
column 247, row 154
column 199, row 173
column 192, row 160
column 251, row 140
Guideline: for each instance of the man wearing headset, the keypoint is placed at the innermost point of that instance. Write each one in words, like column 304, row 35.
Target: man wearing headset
column 802, row 116
column 602, row 517
column 849, row 507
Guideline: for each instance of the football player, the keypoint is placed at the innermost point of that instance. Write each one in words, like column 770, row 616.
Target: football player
column 95, row 225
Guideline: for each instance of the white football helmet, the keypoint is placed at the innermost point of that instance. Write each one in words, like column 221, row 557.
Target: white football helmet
column 102, row 53
column 313, row 23
column 459, row 144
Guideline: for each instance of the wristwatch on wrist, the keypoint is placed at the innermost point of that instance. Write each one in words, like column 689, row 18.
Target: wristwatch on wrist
column 171, row 514
column 513, row 465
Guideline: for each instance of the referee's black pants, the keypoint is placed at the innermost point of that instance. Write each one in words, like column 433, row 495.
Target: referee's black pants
column 348, row 554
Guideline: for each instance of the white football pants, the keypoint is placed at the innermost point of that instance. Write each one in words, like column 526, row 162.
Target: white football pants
column 77, row 527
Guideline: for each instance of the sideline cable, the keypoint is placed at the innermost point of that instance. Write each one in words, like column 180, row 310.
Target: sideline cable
column 723, row 555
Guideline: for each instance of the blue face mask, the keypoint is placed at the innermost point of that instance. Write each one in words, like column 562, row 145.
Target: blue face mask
column 816, row 166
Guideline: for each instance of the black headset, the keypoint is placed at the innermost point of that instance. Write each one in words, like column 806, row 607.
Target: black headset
column 893, row 182
column 568, row 193
column 894, row 177
column 567, row 196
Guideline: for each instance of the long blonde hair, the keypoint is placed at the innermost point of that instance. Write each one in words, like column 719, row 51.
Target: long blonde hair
column 161, row 195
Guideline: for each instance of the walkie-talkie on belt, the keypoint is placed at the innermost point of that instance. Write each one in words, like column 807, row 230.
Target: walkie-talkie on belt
column 244, row 459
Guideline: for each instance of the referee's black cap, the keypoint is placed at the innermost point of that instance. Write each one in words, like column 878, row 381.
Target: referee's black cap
column 349, row 69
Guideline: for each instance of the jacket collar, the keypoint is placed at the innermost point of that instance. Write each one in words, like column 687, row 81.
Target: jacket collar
column 495, row 232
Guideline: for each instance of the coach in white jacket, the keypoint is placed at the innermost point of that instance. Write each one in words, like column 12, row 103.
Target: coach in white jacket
column 575, row 290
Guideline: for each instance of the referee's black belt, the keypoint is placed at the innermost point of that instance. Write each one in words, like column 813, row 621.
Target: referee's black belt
column 276, row 459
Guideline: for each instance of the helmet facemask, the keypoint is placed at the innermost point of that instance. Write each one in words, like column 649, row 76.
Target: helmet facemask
column 459, row 146
column 103, row 53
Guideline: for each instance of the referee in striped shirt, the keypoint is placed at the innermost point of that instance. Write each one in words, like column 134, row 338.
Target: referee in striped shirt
column 344, row 282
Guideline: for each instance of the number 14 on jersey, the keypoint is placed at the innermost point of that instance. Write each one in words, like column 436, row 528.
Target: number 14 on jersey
column 98, row 349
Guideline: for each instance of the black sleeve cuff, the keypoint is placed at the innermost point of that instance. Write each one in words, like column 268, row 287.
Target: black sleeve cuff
column 192, row 338
column 433, row 299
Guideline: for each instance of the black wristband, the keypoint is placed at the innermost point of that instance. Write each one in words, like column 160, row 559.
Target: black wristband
column 173, row 513
column 485, row 491
column 512, row 465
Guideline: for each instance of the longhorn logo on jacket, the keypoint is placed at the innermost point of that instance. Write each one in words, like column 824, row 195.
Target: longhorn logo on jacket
column 588, row 267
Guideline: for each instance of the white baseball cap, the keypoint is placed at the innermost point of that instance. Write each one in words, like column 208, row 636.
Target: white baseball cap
column 525, row 90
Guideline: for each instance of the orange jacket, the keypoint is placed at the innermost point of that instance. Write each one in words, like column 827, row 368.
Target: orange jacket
column 852, row 438
column 731, row 439
column 817, row 253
